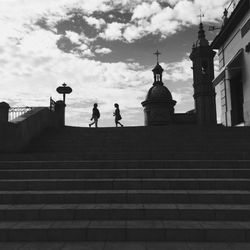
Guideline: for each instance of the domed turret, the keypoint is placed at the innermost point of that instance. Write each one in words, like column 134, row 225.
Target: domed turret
column 159, row 104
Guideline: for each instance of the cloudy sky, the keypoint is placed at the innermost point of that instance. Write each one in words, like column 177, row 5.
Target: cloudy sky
column 103, row 49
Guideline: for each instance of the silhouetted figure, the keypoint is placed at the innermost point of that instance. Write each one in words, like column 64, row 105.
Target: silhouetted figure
column 95, row 116
column 117, row 115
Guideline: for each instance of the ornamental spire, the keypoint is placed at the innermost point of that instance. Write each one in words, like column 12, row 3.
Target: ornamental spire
column 202, row 41
column 201, row 15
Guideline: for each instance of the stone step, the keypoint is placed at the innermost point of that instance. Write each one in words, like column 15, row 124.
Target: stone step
column 71, row 154
column 196, row 212
column 138, row 245
column 126, row 196
column 126, row 184
column 117, row 146
column 151, row 138
column 174, row 140
column 125, row 231
column 76, row 173
column 130, row 155
column 151, row 132
column 28, row 163
column 130, row 151
column 144, row 143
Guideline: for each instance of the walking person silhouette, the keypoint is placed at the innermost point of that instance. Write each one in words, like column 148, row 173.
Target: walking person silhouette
column 95, row 116
column 117, row 115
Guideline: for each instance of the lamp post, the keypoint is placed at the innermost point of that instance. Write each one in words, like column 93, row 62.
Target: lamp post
column 64, row 89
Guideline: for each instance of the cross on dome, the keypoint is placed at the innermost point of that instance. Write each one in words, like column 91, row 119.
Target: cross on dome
column 157, row 53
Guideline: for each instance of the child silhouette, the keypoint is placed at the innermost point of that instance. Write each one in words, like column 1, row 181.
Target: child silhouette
column 117, row 115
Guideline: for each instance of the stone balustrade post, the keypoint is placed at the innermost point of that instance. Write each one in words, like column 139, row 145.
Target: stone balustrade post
column 60, row 111
column 4, row 111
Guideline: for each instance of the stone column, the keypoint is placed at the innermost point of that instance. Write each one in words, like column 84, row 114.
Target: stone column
column 228, row 98
column 4, row 112
column 60, row 111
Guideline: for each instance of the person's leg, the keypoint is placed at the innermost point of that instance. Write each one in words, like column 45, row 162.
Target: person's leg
column 120, row 124
column 117, row 122
column 91, row 123
column 96, row 122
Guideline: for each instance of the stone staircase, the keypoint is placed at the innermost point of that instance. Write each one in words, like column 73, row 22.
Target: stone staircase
column 175, row 183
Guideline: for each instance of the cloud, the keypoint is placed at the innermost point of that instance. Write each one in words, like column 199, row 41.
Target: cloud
column 146, row 10
column 166, row 17
column 158, row 17
column 73, row 42
column 180, row 11
column 73, row 36
column 113, row 31
column 95, row 5
column 179, row 71
column 97, row 23
column 133, row 32
column 103, row 51
column 83, row 51
column 151, row 17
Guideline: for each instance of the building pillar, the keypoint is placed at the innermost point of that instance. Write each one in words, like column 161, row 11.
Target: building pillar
column 228, row 98
column 204, row 95
column 60, row 111
column 4, row 112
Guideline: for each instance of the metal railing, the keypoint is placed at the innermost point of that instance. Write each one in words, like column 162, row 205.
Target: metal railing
column 15, row 112
column 226, row 14
column 52, row 104
column 232, row 6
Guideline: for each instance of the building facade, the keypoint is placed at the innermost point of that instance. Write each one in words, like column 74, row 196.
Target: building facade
column 232, row 84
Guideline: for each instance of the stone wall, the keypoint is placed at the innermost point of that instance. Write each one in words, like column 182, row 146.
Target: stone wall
column 184, row 118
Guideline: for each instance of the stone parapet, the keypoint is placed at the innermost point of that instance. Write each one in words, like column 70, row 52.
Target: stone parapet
column 18, row 133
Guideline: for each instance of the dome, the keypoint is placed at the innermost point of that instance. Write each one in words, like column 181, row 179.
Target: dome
column 159, row 93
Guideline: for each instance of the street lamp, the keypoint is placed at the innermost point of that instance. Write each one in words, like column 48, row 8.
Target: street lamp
column 64, row 89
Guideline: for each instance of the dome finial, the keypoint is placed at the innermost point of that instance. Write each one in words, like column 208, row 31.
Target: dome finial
column 200, row 16
column 157, row 53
